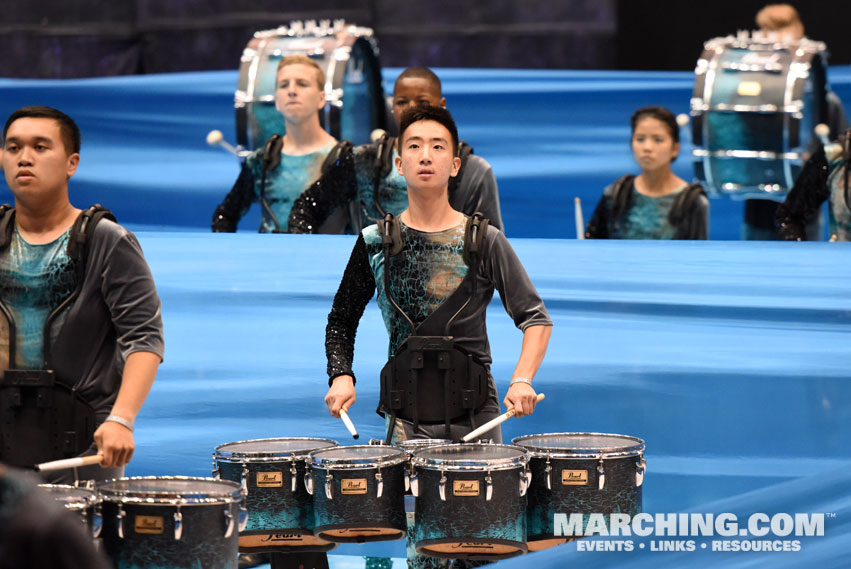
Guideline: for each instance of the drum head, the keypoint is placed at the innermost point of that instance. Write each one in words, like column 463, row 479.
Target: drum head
column 170, row 490
column 581, row 445
column 413, row 445
column 261, row 449
column 362, row 456
column 470, row 456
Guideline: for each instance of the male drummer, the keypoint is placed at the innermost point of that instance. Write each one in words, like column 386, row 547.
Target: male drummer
column 80, row 327
column 278, row 173
column 759, row 222
column 372, row 182
column 436, row 259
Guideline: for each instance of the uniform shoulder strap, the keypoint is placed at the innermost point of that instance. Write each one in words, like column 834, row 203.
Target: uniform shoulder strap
column 391, row 234
column 383, row 156
column 683, row 202
column 334, row 156
column 7, row 217
column 83, row 229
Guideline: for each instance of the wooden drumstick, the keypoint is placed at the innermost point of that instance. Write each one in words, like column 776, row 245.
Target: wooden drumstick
column 349, row 425
column 69, row 463
column 494, row 422
column 580, row 222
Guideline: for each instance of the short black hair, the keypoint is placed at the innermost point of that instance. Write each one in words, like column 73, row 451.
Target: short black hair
column 421, row 73
column 662, row 115
column 428, row 113
column 68, row 129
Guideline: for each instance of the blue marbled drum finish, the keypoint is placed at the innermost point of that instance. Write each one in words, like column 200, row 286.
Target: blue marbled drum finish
column 202, row 546
column 471, row 519
column 361, row 511
column 619, row 495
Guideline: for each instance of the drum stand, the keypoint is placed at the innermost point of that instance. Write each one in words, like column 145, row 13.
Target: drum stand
column 304, row 560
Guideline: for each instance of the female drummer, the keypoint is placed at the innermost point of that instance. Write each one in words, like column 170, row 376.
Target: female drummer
column 656, row 204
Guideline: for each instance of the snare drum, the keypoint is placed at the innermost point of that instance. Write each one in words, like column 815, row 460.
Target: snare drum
column 470, row 501
column 176, row 522
column 349, row 56
column 271, row 474
column 755, row 105
column 580, row 473
column 85, row 502
column 358, row 493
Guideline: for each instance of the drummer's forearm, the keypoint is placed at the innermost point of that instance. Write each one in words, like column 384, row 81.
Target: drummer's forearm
column 535, row 342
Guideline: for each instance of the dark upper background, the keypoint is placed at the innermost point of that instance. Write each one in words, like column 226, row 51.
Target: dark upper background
column 83, row 38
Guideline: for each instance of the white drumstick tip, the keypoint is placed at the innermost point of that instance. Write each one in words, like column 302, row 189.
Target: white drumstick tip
column 683, row 120
column 822, row 131
column 215, row 137
column 376, row 134
column 349, row 425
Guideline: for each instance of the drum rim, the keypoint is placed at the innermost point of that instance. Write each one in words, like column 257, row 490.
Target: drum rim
column 263, row 456
column 159, row 497
column 470, row 464
column 349, row 464
column 90, row 496
column 562, row 452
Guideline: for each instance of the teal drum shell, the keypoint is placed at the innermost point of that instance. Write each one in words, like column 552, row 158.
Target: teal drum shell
column 171, row 522
column 271, row 473
column 84, row 502
column 470, row 501
column 358, row 493
column 347, row 54
column 580, row 473
column 755, row 106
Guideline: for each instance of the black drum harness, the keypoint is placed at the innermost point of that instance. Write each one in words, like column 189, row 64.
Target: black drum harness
column 42, row 418
column 430, row 379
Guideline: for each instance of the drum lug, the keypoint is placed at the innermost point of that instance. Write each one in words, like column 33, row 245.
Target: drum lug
column 329, row 479
column 293, row 475
column 549, row 471
column 441, row 486
column 601, row 476
column 308, row 481
column 415, row 484
column 216, row 474
column 178, row 525
column 97, row 521
column 379, row 484
column 488, row 487
column 243, row 516
column 407, row 481
column 229, row 522
column 525, row 481
column 640, row 468
column 243, row 483
column 120, row 518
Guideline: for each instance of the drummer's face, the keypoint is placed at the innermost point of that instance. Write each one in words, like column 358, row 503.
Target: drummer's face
column 652, row 144
column 298, row 94
column 413, row 92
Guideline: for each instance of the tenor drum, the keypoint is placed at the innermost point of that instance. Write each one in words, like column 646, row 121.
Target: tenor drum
column 755, row 105
column 470, row 501
column 358, row 493
column 349, row 56
column 271, row 474
column 176, row 522
column 410, row 446
column 580, row 473
column 84, row 502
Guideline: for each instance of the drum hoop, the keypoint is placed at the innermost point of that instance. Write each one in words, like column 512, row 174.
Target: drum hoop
column 264, row 456
column 539, row 451
column 89, row 497
column 397, row 456
column 468, row 464
column 164, row 498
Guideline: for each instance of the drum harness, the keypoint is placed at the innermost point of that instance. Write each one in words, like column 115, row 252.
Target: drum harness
column 455, row 380
column 683, row 202
column 42, row 417
column 272, row 159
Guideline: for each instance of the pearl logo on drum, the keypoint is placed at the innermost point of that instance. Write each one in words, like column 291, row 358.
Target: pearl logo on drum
column 465, row 488
column 270, row 479
column 353, row 486
column 574, row 477
column 152, row 525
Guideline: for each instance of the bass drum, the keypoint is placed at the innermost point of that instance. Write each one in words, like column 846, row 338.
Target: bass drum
column 755, row 106
column 349, row 56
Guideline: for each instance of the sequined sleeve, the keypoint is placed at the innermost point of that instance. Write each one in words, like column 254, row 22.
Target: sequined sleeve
column 333, row 190
column 354, row 293
column 236, row 204
column 805, row 198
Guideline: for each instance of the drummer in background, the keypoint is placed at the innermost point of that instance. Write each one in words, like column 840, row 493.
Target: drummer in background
column 759, row 221
column 36, row 531
column 427, row 275
column 84, row 323
column 278, row 173
column 656, row 204
column 373, row 182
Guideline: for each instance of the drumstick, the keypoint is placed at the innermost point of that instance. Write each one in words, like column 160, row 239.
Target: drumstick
column 348, row 422
column 494, row 422
column 69, row 463
column 580, row 222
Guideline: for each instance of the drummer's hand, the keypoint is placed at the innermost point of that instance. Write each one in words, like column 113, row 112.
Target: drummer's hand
column 520, row 397
column 115, row 443
column 341, row 395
